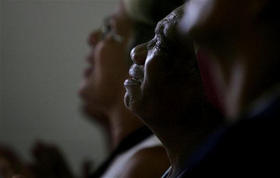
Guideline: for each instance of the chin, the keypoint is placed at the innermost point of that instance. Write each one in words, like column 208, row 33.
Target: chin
column 85, row 92
column 84, row 99
column 82, row 89
column 131, row 103
column 132, row 95
column 126, row 100
column 86, row 108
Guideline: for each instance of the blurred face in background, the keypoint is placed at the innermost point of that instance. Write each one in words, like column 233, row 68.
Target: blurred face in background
column 107, row 64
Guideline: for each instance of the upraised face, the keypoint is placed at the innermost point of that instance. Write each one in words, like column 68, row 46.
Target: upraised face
column 108, row 64
column 164, row 77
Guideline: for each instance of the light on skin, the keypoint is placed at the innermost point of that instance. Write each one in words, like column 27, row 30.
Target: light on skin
column 164, row 89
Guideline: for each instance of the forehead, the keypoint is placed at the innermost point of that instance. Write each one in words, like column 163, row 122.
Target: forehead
column 166, row 24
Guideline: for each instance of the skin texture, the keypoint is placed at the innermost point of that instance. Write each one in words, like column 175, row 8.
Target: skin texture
column 238, row 42
column 165, row 91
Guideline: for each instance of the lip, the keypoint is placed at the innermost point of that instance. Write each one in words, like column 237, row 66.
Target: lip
column 135, row 76
column 131, row 82
column 136, row 73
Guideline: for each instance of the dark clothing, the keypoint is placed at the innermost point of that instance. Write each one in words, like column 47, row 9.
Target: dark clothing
column 127, row 143
column 246, row 148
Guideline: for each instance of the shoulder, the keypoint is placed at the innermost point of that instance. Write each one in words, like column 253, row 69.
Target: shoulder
column 147, row 162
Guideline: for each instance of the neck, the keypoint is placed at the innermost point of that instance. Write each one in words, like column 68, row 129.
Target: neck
column 179, row 151
column 181, row 137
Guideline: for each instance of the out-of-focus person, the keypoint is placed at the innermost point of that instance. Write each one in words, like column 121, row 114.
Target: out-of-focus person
column 240, row 39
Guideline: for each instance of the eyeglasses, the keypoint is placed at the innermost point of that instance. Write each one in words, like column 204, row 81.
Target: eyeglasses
column 107, row 29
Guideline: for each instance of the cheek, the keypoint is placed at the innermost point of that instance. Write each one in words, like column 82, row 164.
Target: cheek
column 110, row 54
column 154, row 71
column 106, row 58
column 111, row 67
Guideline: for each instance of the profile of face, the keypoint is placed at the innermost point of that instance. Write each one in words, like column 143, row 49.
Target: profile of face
column 108, row 64
column 164, row 78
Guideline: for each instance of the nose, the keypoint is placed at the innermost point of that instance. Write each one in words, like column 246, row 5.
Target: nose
column 94, row 38
column 139, row 54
